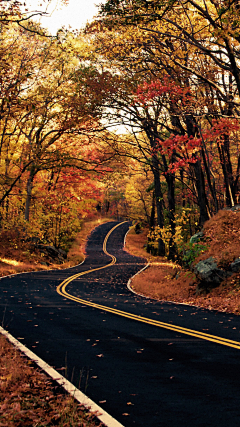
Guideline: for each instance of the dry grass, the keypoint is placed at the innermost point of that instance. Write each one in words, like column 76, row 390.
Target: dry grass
column 167, row 281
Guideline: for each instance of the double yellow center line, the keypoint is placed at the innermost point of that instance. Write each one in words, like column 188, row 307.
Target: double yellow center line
column 61, row 289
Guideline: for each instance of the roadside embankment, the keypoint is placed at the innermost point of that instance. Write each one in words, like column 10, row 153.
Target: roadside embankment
column 168, row 281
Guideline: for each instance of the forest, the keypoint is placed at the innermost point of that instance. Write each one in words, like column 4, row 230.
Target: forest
column 135, row 117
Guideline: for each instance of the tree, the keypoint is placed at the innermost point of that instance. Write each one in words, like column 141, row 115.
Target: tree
column 50, row 110
column 196, row 44
column 16, row 12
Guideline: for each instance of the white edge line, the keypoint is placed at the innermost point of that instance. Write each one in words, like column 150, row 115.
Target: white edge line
column 91, row 406
column 124, row 243
column 140, row 271
column 131, row 278
column 41, row 271
column 161, row 300
column 53, row 269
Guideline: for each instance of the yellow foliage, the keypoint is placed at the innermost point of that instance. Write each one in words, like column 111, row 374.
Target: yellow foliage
column 165, row 233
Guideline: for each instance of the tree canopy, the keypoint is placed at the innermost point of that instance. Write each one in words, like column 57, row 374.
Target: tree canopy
column 167, row 72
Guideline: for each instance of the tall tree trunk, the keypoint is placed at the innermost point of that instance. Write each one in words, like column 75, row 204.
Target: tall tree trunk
column 170, row 178
column 201, row 194
column 228, row 189
column 159, row 201
column 200, row 183
column 29, row 192
column 212, row 186
column 152, row 216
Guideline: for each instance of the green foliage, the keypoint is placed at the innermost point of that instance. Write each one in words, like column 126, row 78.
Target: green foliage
column 192, row 251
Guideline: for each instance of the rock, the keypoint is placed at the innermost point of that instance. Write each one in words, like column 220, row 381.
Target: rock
column 62, row 253
column 196, row 237
column 209, row 274
column 52, row 252
column 234, row 208
column 235, row 265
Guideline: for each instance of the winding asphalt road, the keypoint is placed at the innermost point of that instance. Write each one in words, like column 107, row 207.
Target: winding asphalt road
column 147, row 363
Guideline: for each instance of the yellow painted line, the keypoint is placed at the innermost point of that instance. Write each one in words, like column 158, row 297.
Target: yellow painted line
column 61, row 289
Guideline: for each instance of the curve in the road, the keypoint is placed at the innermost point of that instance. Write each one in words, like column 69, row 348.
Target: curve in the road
column 61, row 289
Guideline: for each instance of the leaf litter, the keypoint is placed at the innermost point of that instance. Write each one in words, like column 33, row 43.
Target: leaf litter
column 29, row 398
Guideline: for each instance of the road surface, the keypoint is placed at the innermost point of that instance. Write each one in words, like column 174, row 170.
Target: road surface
column 147, row 363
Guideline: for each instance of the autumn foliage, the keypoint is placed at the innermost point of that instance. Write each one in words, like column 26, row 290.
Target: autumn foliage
column 64, row 102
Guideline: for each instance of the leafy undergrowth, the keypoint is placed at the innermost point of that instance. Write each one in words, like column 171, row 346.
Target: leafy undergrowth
column 29, row 398
column 167, row 281
column 17, row 255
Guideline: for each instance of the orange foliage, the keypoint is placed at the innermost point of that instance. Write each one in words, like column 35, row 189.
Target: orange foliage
column 162, row 281
column 222, row 232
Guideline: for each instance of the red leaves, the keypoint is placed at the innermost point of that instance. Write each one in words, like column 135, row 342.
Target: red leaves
column 186, row 148
column 164, row 89
column 180, row 149
column 223, row 126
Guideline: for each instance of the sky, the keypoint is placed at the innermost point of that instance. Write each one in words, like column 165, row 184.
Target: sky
column 76, row 14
